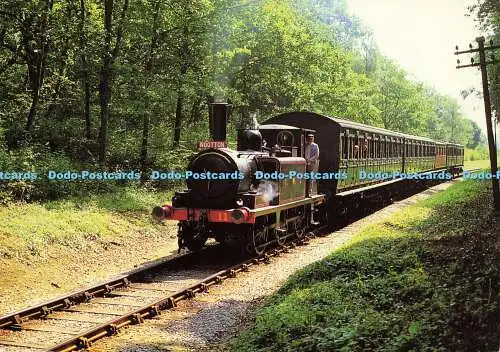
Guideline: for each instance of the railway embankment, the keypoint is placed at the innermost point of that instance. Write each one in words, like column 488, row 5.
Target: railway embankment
column 427, row 278
column 51, row 248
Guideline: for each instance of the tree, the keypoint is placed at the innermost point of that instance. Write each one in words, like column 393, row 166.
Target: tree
column 24, row 31
column 109, row 56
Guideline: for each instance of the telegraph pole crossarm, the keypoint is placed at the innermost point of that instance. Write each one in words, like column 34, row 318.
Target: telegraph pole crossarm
column 487, row 109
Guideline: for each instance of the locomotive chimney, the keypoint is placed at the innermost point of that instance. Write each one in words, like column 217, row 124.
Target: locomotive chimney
column 218, row 120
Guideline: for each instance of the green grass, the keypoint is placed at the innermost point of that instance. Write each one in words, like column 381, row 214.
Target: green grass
column 74, row 220
column 477, row 164
column 425, row 280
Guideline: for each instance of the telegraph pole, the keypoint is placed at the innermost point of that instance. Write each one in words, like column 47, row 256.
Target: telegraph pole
column 481, row 49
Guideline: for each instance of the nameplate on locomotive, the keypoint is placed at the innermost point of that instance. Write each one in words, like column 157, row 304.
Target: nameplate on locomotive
column 212, row 145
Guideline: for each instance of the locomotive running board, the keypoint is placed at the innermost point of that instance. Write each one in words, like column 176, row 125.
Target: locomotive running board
column 236, row 216
column 315, row 200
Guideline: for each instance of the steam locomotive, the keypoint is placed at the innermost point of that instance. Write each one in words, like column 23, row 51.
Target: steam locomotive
column 225, row 200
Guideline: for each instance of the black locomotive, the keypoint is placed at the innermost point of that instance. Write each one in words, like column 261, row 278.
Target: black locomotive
column 225, row 199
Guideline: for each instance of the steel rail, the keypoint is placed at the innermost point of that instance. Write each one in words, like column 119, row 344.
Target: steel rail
column 112, row 327
column 43, row 309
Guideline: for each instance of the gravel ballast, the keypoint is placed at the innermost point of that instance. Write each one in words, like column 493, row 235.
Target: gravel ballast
column 201, row 323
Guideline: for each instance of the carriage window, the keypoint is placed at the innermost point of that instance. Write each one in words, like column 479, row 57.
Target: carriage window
column 361, row 144
column 355, row 147
column 364, row 147
column 343, row 146
column 351, row 147
column 346, row 146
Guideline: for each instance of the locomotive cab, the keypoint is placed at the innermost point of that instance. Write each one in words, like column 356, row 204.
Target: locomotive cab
column 290, row 140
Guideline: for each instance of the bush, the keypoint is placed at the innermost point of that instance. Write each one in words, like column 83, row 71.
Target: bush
column 479, row 153
column 41, row 162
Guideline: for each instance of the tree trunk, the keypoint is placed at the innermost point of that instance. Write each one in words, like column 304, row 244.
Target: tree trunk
column 85, row 75
column 149, row 70
column 104, row 89
column 36, row 58
column 86, row 107
column 209, row 100
column 35, row 95
column 178, row 117
column 105, row 74
column 145, row 142
column 57, row 89
column 196, row 109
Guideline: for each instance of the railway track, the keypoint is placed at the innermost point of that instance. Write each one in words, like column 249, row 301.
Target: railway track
column 73, row 322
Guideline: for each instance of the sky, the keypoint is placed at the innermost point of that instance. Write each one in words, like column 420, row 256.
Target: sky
column 421, row 36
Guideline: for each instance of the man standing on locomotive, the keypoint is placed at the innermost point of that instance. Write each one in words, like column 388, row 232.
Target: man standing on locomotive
column 311, row 154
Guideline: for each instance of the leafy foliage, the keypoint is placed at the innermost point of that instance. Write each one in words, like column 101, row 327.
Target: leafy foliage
column 123, row 82
column 426, row 279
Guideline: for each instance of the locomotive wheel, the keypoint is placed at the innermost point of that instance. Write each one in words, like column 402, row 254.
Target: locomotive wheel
column 280, row 236
column 259, row 241
column 299, row 228
column 194, row 241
